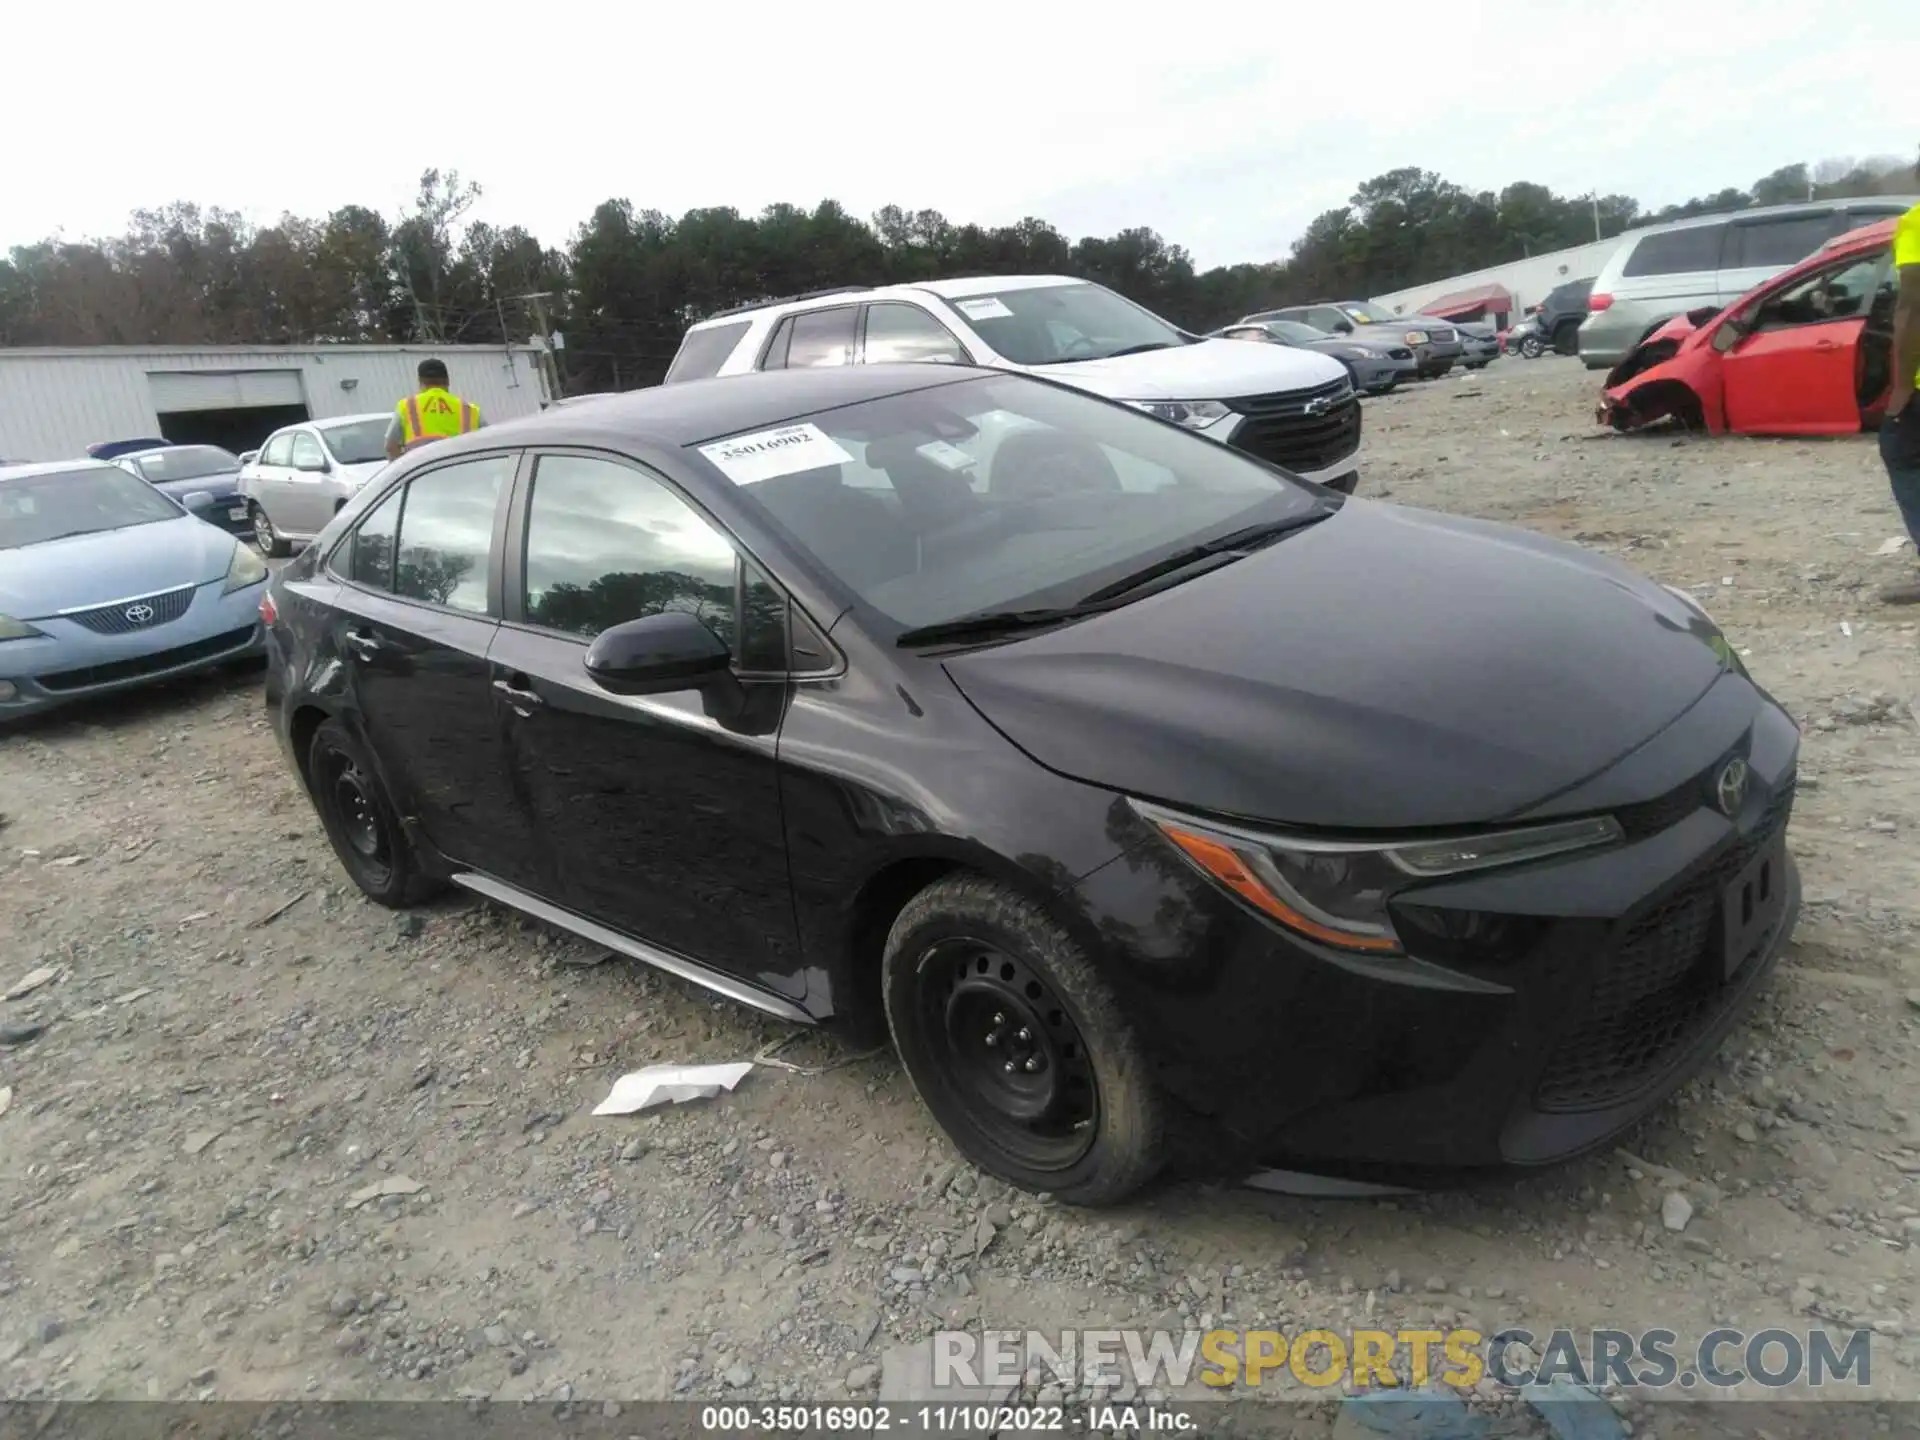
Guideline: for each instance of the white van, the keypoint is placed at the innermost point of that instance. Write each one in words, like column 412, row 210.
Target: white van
column 1293, row 408
column 1708, row 261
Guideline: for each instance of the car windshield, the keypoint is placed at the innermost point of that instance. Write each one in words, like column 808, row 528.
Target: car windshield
column 184, row 462
column 1298, row 333
column 993, row 494
column 1365, row 315
column 1056, row 324
column 39, row 508
column 358, row 441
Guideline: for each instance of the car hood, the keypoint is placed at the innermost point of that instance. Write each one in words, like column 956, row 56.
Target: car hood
column 218, row 486
column 41, row 580
column 1205, row 370
column 1388, row 668
column 358, row 474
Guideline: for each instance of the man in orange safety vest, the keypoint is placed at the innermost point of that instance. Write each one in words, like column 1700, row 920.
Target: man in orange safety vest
column 434, row 413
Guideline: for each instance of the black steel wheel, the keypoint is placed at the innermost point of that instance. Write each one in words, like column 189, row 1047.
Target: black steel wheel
column 1017, row 1047
column 264, row 535
column 360, row 821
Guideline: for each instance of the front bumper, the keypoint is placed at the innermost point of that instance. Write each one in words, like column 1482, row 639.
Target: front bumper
column 69, row 662
column 1313, row 433
column 1596, row 985
column 1437, row 357
column 1382, row 374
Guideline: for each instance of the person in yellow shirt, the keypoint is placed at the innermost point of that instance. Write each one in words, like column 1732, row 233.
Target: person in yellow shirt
column 433, row 414
column 1900, row 430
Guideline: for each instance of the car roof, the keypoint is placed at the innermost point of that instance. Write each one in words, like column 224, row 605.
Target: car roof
column 1892, row 204
column 336, row 420
column 54, row 467
column 956, row 288
column 1878, row 231
column 673, row 416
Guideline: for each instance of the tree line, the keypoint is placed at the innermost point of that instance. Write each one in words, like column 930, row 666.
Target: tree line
column 629, row 280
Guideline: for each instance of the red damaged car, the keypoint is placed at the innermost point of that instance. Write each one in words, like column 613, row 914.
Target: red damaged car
column 1807, row 353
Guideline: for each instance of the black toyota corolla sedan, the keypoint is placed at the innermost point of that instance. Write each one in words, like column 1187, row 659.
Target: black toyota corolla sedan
column 1161, row 805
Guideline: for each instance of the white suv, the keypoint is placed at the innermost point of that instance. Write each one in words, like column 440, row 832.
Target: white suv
column 1293, row 408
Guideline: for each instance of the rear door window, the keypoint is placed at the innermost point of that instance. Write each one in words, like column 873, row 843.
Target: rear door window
column 1778, row 243
column 306, row 451
column 821, row 337
column 446, row 533
column 1677, row 252
column 703, row 352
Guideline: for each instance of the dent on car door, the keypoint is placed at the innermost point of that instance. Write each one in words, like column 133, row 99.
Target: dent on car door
column 661, row 810
column 1796, row 367
column 412, row 625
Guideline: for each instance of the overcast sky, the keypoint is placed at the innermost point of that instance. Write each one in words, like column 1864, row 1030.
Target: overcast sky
column 1226, row 127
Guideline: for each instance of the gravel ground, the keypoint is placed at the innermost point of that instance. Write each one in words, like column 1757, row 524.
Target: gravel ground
column 274, row 1142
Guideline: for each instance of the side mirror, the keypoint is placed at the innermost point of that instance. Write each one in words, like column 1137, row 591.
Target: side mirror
column 1341, row 327
column 315, row 467
column 658, row 655
column 198, row 502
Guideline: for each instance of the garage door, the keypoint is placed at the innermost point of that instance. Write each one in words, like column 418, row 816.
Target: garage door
column 176, row 390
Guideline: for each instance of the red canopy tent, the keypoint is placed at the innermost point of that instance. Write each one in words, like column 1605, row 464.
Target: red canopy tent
column 1474, row 304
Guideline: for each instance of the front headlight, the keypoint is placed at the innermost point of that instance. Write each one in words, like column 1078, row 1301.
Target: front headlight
column 12, row 629
column 244, row 569
column 1337, row 892
column 1194, row 414
column 1415, row 337
column 1365, row 354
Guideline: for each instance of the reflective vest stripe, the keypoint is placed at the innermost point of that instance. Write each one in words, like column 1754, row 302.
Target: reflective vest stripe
column 414, row 428
column 467, row 417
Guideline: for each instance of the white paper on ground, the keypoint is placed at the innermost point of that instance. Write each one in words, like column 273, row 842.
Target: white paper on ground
column 987, row 307
column 670, row 1084
column 766, row 454
column 1891, row 545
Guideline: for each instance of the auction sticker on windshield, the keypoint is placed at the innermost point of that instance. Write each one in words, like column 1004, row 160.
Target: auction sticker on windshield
column 988, row 307
column 767, row 454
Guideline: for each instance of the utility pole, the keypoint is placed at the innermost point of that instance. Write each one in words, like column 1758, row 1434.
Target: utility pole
column 1594, row 196
column 552, row 364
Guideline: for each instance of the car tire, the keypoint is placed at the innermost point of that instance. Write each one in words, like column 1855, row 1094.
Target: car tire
column 361, row 822
column 1530, row 347
column 1386, row 387
column 977, row 979
column 269, row 540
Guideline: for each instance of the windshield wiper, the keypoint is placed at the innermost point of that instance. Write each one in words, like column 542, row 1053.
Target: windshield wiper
column 1138, row 349
column 1234, row 544
column 995, row 622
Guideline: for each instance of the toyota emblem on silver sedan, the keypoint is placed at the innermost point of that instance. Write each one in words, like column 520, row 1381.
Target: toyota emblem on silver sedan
column 1730, row 789
column 138, row 614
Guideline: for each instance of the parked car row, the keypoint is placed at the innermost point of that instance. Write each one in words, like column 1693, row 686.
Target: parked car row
column 1436, row 344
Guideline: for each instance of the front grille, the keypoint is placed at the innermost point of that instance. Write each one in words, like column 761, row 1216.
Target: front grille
column 154, row 664
column 123, row 617
column 1657, row 989
column 1300, row 429
column 1443, row 337
column 1400, row 352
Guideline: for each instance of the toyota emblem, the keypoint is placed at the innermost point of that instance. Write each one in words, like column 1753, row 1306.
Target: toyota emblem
column 138, row 614
column 1730, row 788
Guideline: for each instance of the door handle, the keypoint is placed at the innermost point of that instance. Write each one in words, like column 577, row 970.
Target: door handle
column 1825, row 345
column 362, row 644
column 523, row 701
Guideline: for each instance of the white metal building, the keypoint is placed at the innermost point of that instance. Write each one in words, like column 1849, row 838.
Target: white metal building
column 56, row 402
column 1528, row 281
